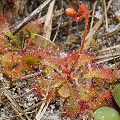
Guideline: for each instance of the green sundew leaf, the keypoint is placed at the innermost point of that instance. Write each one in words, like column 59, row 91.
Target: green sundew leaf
column 16, row 73
column 9, row 34
column 6, row 59
column 106, row 113
column 72, row 107
column 5, row 46
column 45, row 44
column 87, row 93
column 9, row 60
column 58, row 82
column 3, row 25
column 116, row 94
column 116, row 74
column 4, row 29
column 30, row 59
column 99, row 73
column 100, row 100
column 49, row 72
column 63, row 91
column 31, row 28
column 26, row 67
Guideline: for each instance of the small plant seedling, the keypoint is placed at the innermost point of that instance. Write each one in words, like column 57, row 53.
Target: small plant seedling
column 106, row 113
column 116, row 94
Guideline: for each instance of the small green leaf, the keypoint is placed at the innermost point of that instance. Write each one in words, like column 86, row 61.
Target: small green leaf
column 30, row 59
column 116, row 94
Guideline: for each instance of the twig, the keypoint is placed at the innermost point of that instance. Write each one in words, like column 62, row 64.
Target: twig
column 24, row 93
column 30, row 17
column 113, row 58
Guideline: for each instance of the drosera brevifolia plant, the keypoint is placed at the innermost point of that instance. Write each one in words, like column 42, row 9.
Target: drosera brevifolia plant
column 74, row 78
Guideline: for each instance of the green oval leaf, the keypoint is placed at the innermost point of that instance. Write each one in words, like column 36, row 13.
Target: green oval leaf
column 116, row 94
column 106, row 113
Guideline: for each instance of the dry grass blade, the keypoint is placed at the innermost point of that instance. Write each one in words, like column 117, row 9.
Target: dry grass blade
column 14, row 103
column 16, row 111
column 93, row 13
column 106, row 19
column 48, row 21
column 42, row 110
column 107, row 49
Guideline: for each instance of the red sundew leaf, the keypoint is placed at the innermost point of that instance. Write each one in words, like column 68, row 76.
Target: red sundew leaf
column 15, row 73
column 103, row 96
column 42, row 84
column 71, row 59
column 58, row 62
column 50, row 59
column 83, row 59
column 72, row 107
column 10, row 59
column 99, row 73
